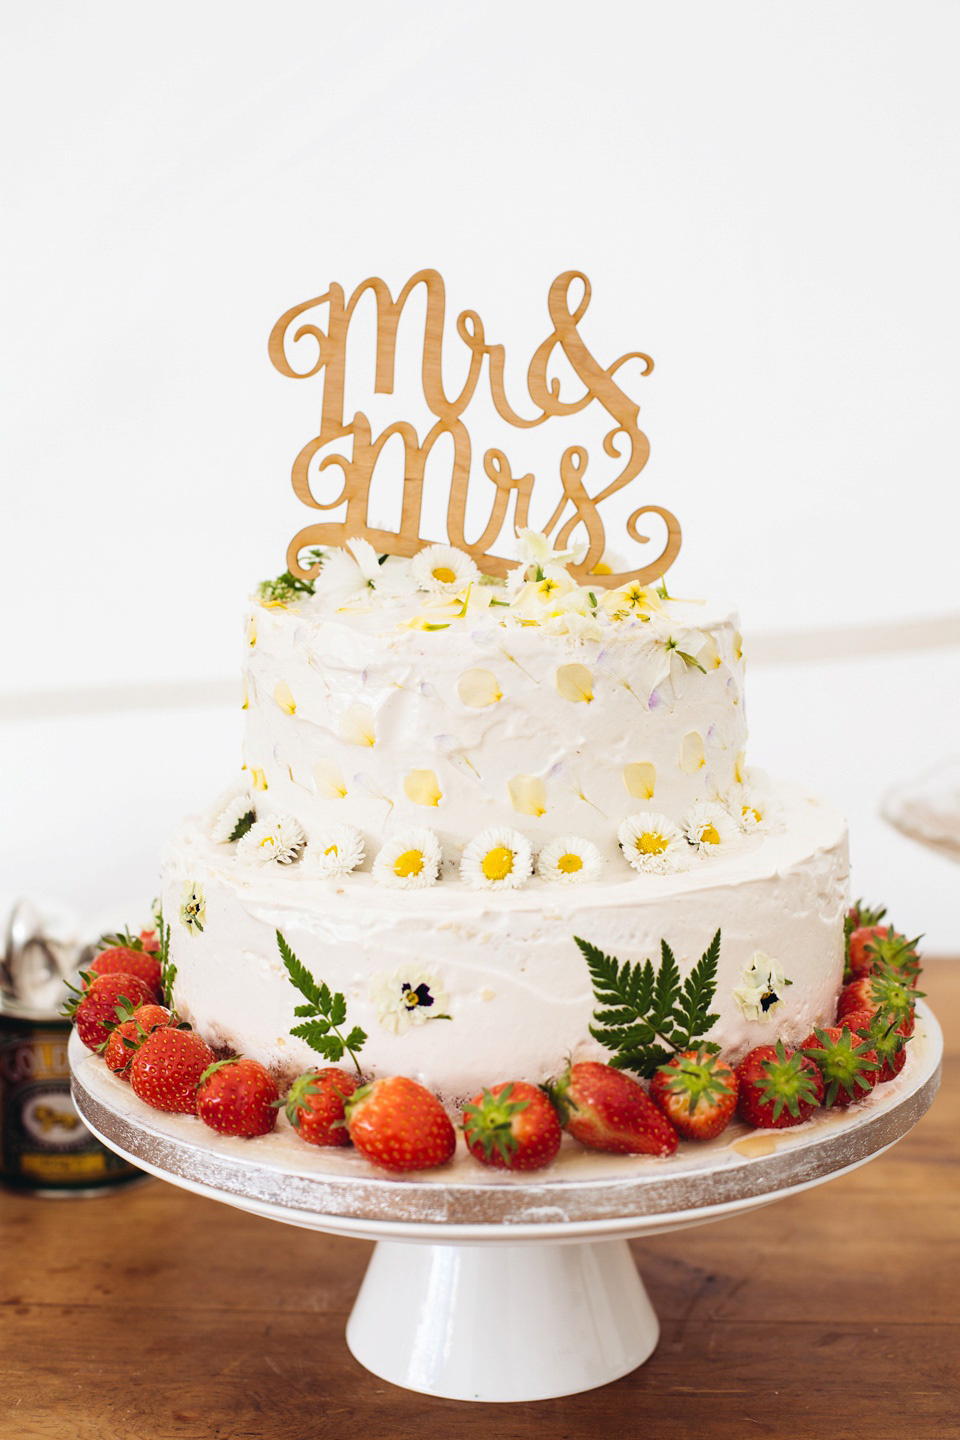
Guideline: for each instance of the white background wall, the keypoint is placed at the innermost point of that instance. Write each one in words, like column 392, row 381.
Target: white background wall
column 765, row 197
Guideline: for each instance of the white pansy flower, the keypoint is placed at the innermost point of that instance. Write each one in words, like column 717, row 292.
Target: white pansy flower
column 409, row 861
column 710, row 827
column 278, row 838
column 653, row 844
column 761, row 994
column 570, row 860
column 443, row 569
column 337, row 851
column 193, row 906
column 410, row 996
column 751, row 808
column 677, row 654
column 348, row 574
column 533, row 548
column 499, row 859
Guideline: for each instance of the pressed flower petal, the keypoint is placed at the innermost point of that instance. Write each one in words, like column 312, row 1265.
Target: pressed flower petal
column 692, row 757
column 251, row 631
column 258, row 779
column 640, row 778
column 528, row 794
column 422, row 787
column 575, row 683
column 328, row 780
column 479, row 688
column 356, row 725
column 283, row 696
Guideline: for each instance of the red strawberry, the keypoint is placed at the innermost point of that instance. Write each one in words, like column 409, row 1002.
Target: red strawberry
column 98, row 1008
column 607, row 1110
column 125, row 959
column 873, row 946
column 400, row 1125
column 847, row 1062
column 860, row 914
column 889, row 1041
column 131, row 1030
column 697, row 1092
column 513, row 1126
column 885, row 991
column 778, row 1087
column 166, row 1069
column 315, row 1105
column 238, row 1097
column 150, row 941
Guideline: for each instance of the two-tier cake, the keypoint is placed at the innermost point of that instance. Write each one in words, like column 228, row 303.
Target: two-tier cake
column 446, row 778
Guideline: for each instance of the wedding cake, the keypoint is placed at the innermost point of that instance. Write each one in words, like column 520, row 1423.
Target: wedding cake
column 447, row 777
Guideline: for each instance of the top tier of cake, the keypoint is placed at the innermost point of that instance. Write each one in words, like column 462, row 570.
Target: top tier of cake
column 541, row 706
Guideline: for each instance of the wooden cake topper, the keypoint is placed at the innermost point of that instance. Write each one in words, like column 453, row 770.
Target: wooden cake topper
column 358, row 467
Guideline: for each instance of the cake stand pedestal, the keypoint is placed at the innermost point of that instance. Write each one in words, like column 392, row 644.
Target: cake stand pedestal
column 489, row 1286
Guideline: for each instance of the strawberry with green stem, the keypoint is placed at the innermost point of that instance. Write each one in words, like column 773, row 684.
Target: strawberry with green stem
column 874, row 948
column 887, row 1040
column 316, row 1105
column 95, row 1009
column 238, row 1096
column 777, row 1087
column 128, row 956
column 885, row 991
column 605, row 1109
column 130, row 1031
column 167, row 1068
column 512, row 1126
column 697, row 1092
column 399, row 1125
column 846, row 1061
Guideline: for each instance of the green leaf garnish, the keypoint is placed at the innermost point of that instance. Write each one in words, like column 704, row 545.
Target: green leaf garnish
column 168, row 971
column 323, row 1013
column 645, row 1016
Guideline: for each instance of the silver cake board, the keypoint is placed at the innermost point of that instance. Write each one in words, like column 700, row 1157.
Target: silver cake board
column 497, row 1287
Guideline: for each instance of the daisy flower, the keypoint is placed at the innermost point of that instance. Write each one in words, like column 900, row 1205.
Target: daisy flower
column 338, row 851
column 443, row 569
column 652, row 843
column 761, row 994
column 750, row 808
column 410, row 996
column 710, row 827
column 499, row 859
column 348, row 574
column 569, row 861
column 278, row 838
column 409, row 861
column 235, row 819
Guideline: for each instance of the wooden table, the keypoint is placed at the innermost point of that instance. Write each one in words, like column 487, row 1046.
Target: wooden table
column 151, row 1314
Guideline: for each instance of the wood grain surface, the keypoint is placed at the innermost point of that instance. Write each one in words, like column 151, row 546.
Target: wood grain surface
column 152, row 1314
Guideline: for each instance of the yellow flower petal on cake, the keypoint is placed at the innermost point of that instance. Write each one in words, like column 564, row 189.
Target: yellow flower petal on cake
column 283, row 696
column 575, row 683
column 640, row 778
column 738, row 644
column 528, row 794
column 251, row 631
column 258, row 779
column 422, row 787
column 328, row 780
column 479, row 688
column 740, row 769
column 356, row 725
column 708, row 654
column 692, row 757
column 245, row 702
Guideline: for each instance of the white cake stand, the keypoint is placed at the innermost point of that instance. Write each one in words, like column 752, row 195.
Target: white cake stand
column 488, row 1286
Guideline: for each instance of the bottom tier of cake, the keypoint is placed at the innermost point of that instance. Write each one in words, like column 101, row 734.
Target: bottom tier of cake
column 460, row 988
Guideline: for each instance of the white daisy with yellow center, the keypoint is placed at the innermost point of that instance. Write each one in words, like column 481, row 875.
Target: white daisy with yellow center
column 443, row 569
column 235, row 818
column 409, row 861
column 278, row 839
column 336, row 852
column 750, row 808
column 499, row 859
column 570, row 860
column 653, row 844
column 350, row 574
column 710, row 828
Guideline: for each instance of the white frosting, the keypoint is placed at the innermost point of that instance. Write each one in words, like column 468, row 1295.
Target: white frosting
column 512, row 979
column 352, row 716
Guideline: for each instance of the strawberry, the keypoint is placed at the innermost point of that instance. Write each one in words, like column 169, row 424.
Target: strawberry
column 400, row 1125
column 778, row 1087
column 861, row 914
column 885, row 990
column 874, row 946
column 315, row 1105
column 697, row 1092
column 847, row 1062
column 888, row 1041
column 150, row 941
column 129, row 961
column 238, row 1097
column 166, row 1069
column 129, row 1033
column 607, row 1110
column 513, row 1126
column 96, row 1009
